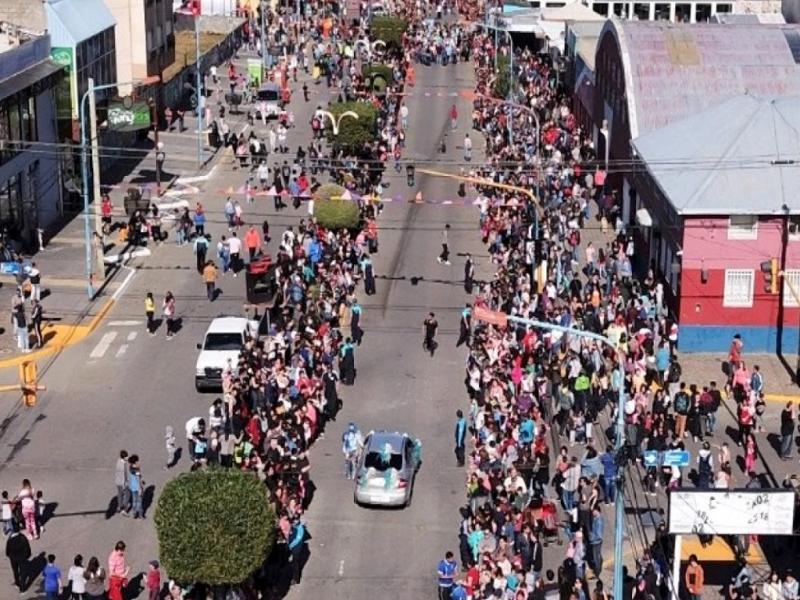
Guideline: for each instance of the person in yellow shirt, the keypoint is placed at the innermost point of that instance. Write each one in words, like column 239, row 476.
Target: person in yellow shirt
column 210, row 277
column 150, row 311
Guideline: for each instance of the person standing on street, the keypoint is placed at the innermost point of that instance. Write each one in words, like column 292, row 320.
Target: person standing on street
column 150, row 312
column 297, row 540
column 136, row 485
column 252, row 240
column 446, row 572
column 461, row 437
column 369, row 275
column 118, row 572
column 352, row 444
column 235, row 253
column 121, row 474
column 37, row 313
column 210, row 279
column 444, row 257
column 51, row 579
column 200, row 250
column 465, row 327
column 18, row 552
column 469, row 274
column 21, row 325
column 694, row 579
column 467, row 148
column 453, row 117
column 35, row 277
column 787, row 431
column 429, row 327
column 168, row 309
column 596, row 540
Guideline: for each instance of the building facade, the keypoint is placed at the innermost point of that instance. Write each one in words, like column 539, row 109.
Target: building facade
column 145, row 38
column 31, row 186
column 694, row 11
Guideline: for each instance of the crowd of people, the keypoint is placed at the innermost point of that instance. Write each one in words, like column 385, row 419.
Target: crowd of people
column 541, row 464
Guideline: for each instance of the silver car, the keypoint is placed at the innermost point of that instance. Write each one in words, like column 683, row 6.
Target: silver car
column 386, row 469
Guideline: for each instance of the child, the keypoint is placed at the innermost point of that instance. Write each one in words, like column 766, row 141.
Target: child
column 8, row 514
column 153, row 580
column 169, row 441
column 39, row 510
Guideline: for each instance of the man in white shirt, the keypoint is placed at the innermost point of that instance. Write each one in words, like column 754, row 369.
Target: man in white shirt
column 235, row 249
column 263, row 174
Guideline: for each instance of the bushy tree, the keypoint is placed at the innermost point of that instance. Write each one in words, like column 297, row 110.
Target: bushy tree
column 337, row 214
column 353, row 133
column 502, row 83
column 214, row 527
column 389, row 29
column 382, row 75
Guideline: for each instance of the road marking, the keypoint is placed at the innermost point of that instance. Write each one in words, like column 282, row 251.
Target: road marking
column 132, row 335
column 102, row 346
column 125, row 323
column 341, row 567
column 118, row 258
column 122, row 350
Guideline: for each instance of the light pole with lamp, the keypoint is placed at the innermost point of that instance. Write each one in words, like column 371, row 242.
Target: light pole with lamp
column 87, row 230
column 198, row 90
column 606, row 131
column 500, row 319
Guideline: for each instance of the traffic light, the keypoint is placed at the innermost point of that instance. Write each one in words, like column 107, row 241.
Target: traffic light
column 27, row 379
column 770, row 270
column 410, row 175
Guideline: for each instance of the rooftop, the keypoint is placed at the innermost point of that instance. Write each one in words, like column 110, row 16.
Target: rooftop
column 740, row 157
column 675, row 70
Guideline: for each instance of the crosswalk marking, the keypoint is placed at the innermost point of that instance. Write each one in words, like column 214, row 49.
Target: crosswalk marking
column 125, row 323
column 132, row 335
column 103, row 345
column 122, row 350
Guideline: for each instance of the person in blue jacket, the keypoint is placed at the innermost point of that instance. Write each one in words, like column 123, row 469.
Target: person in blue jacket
column 461, row 437
column 297, row 539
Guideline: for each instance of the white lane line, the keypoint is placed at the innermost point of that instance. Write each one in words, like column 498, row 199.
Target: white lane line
column 102, row 346
column 125, row 323
column 132, row 335
column 122, row 350
column 341, row 567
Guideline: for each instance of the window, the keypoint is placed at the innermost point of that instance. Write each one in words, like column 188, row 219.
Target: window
column 791, row 281
column 738, row 288
column 794, row 228
column 743, row 227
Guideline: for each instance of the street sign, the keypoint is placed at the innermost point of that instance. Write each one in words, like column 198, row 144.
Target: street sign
column 651, row 458
column 676, row 458
column 128, row 118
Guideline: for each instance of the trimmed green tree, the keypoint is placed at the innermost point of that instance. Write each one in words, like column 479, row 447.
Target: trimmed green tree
column 215, row 527
column 381, row 75
column 334, row 213
column 389, row 29
column 353, row 133
column 502, row 83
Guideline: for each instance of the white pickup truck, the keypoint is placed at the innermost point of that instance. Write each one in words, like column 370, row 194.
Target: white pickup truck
column 222, row 343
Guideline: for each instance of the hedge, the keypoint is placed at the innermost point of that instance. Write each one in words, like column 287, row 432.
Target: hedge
column 389, row 29
column 353, row 133
column 337, row 214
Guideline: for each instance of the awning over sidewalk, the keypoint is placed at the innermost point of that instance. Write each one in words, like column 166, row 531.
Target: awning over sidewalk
column 37, row 76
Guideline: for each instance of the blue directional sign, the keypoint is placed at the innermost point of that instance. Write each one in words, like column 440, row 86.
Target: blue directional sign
column 676, row 458
column 651, row 458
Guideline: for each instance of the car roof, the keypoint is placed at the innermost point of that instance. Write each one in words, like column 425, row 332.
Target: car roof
column 227, row 325
column 381, row 437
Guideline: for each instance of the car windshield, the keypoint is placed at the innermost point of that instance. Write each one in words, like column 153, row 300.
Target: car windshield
column 268, row 95
column 223, row 341
column 374, row 461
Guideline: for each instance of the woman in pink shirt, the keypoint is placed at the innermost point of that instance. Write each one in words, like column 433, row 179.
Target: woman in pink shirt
column 118, row 571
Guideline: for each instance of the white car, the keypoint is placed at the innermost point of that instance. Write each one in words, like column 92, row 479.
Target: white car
column 221, row 345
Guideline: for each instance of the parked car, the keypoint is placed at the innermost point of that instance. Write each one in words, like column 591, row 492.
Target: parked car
column 221, row 346
column 386, row 469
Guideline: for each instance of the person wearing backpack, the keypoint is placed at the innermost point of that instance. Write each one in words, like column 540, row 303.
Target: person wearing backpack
column 681, row 406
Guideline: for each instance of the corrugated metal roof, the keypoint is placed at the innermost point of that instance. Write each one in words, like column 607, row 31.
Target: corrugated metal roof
column 27, row 78
column 72, row 21
column 739, row 157
column 673, row 70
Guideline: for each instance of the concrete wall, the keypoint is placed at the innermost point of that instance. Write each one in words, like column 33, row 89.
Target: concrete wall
column 130, row 38
column 791, row 10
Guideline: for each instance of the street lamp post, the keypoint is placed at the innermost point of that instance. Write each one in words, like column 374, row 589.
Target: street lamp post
column 198, row 91
column 87, row 230
column 160, row 157
column 619, row 438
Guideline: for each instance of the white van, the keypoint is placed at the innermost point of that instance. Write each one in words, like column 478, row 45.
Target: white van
column 223, row 342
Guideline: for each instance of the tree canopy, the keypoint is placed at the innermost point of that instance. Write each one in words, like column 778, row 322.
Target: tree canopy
column 353, row 133
column 214, row 526
column 332, row 212
column 389, row 29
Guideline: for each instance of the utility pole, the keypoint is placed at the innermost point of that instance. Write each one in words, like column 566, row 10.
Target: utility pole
column 95, row 158
column 198, row 91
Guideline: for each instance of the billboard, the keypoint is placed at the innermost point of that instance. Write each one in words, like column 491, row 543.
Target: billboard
column 67, row 90
column 731, row 512
column 128, row 118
